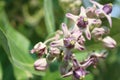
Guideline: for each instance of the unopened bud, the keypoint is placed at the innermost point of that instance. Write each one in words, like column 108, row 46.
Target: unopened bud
column 107, row 8
column 109, row 42
column 39, row 48
column 40, row 64
column 54, row 51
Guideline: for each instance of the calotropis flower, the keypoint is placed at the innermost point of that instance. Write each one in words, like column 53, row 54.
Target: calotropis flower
column 78, row 70
column 63, row 45
column 70, row 39
column 103, row 10
column 83, row 22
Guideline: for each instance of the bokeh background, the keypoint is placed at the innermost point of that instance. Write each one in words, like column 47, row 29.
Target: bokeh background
column 23, row 23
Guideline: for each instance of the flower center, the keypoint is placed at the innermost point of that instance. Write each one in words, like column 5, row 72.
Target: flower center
column 107, row 8
column 69, row 42
column 82, row 22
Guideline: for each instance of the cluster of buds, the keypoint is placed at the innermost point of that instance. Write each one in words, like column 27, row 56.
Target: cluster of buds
column 65, row 41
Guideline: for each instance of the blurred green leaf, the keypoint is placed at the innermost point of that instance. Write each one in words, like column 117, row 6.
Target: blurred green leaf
column 20, row 74
column 54, row 76
column 16, row 46
column 0, row 71
column 49, row 16
column 89, row 77
column 6, row 66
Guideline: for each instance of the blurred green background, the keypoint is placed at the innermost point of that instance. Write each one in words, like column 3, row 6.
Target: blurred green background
column 23, row 23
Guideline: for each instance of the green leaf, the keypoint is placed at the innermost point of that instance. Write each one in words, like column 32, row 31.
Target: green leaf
column 16, row 46
column 20, row 74
column 49, row 16
column 0, row 71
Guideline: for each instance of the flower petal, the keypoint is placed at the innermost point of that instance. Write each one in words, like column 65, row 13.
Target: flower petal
column 96, row 3
column 75, row 64
column 79, row 47
column 96, row 22
column 65, row 30
column 57, row 43
column 82, row 12
column 71, row 16
column 90, row 11
column 109, row 19
column 76, row 34
column 87, row 33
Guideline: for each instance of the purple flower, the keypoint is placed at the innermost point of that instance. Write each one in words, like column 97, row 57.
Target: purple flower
column 82, row 22
column 104, row 10
column 94, row 57
column 70, row 39
column 78, row 71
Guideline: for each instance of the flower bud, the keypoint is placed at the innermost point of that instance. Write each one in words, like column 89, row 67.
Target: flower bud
column 90, row 11
column 54, row 51
column 40, row 64
column 98, row 32
column 39, row 48
column 109, row 42
column 107, row 8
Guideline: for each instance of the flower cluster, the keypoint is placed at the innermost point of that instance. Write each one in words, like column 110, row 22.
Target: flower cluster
column 87, row 25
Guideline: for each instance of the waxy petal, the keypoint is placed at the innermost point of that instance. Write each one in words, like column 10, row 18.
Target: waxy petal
column 71, row 16
column 79, row 47
column 82, row 12
column 109, row 19
column 87, row 33
column 96, row 3
column 90, row 11
column 65, row 30
column 75, row 64
column 57, row 43
column 76, row 34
